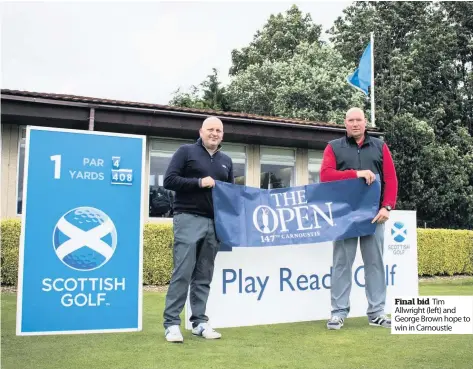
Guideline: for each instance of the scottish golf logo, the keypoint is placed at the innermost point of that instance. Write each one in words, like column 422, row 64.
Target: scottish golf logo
column 399, row 235
column 85, row 238
column 399, row 232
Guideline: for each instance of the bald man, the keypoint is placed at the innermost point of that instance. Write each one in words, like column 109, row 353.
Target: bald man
column 191, row 174
column 358, row 155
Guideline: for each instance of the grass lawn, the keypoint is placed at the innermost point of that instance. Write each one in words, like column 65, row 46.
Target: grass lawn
column 298, row 345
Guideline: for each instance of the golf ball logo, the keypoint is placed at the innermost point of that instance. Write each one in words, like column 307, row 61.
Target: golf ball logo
column 85, row 238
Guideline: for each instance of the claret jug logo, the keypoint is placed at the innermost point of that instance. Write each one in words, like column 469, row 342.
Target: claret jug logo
column 85, row 238
column 262, row 217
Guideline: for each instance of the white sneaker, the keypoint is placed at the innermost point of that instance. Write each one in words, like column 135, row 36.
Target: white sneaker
column 381, row 321
column 173, row 334
column 206, row 331
column 335, row 322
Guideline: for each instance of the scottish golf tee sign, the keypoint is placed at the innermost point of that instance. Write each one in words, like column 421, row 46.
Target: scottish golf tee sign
column 80, row 260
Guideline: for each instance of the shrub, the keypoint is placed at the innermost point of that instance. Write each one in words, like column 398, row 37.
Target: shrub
column 157, row 254
column 439, row 252
column 10, row 239
column 444, row 252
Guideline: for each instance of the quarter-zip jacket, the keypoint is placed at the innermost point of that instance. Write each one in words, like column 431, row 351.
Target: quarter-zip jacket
column 189, row 164
column 343, row 157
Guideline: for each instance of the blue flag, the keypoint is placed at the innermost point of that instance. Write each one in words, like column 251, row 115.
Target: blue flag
column 361, row 77
column 252, row 217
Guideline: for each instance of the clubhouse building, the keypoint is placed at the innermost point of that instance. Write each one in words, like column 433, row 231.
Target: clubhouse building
column 267, row 152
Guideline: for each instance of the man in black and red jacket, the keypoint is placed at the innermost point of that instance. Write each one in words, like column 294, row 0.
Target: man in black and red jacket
column 359, row 155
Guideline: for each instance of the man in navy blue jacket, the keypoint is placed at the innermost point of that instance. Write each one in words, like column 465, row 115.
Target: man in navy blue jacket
column 191, row 174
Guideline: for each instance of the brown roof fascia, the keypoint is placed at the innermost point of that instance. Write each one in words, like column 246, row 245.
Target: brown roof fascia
column 97, row 103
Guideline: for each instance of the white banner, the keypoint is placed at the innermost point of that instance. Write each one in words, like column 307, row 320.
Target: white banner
column 284, row 284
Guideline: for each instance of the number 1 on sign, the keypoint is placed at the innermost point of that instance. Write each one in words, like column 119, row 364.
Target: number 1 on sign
column 57, row 166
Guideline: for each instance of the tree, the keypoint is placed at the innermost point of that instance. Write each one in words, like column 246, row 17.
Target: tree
column 435, row 179
column 191, row 99
column 208, row 95
column 277, row 41
column 287, row 71
column 423, row 64
column 423, row 57
column 309, row 85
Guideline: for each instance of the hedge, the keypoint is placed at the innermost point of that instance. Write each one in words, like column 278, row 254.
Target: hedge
column 157, row 252
column 444, row 252
column 439, row 252
column 10, row 239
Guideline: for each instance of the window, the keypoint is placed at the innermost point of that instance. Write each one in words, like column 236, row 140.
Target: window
column 161, row 152
column 238, row 155
column 277, row 168
column 160, row 199
column 20, row 169
column 315, row 162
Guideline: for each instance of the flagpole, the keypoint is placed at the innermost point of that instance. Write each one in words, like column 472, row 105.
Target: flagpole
column 372, row 79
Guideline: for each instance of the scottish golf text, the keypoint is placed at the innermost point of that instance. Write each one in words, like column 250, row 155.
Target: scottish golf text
column 83, row 291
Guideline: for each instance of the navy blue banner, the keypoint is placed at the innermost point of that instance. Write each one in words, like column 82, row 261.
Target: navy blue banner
column 252, row 217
